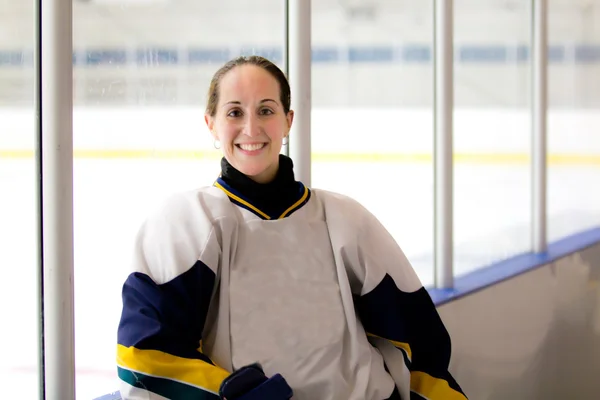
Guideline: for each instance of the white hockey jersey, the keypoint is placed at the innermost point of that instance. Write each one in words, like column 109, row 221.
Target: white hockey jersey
column 318, row 292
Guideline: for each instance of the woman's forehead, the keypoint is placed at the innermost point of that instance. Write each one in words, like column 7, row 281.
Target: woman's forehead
column 248, row 81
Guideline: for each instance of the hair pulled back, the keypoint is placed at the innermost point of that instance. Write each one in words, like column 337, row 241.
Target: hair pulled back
column 261, row 62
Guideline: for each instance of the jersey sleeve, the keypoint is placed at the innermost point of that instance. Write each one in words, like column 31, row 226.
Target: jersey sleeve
column 399, row 316
column 166, row 299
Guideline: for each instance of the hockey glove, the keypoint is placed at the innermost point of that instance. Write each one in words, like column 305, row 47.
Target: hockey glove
column 250, row 383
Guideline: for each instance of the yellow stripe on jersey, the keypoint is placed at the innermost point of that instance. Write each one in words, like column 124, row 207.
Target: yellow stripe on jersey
column 433, row 388
column 162, row 365
column 242, row 201
column 245, row 203
column 399, row 345
column 296, row 204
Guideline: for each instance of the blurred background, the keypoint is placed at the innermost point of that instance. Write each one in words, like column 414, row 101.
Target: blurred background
column 141, row 73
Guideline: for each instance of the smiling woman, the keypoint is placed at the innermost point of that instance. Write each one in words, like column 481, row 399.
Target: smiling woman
column 258, row 287
column 249, row 114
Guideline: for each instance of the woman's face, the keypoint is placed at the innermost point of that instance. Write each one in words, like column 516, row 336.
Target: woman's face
column 250, row 121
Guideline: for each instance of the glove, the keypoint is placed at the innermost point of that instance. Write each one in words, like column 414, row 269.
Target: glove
column 250, row 383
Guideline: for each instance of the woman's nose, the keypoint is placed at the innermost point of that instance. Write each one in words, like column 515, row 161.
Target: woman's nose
column 252, row 127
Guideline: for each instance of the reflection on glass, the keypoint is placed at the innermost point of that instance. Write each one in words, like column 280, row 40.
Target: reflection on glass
column 142, row 70
column 18, row 296
column 372, row 127
column 573, row 118
column 492, row 132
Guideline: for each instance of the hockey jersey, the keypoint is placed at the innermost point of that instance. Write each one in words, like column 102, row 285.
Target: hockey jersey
column 316, row 290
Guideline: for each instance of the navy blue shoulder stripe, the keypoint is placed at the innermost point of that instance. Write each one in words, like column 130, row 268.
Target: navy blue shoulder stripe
column 410, row 318
column 169, row 317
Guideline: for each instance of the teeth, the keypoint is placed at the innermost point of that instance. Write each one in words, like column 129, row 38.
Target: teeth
column 251, row 147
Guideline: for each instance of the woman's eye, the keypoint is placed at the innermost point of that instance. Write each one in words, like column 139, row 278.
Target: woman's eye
column 266, row 111
column 234, row 113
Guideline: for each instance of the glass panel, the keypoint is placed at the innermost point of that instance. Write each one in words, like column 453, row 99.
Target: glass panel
column 142, row 70
column 372, row 128
column 492, row 133
column 573, row 117
column 18, row 217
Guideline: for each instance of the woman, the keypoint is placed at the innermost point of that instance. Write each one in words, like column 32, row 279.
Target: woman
column 294, row 289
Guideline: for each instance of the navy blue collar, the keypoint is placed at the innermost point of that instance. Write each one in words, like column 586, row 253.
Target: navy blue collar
column 274, row 200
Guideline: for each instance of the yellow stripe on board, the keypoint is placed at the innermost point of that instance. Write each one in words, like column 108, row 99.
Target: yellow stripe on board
column 404, row 158
column 16, row 153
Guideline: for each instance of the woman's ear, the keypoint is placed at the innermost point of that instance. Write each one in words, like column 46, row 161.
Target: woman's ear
column 210, row 123
column 290, row 118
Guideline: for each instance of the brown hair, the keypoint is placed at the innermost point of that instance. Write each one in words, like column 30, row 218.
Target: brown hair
column 284, row 86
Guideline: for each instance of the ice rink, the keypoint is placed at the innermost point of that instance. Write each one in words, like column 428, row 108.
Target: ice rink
column 116, row 184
